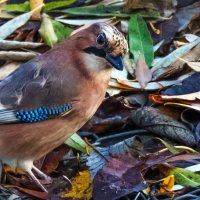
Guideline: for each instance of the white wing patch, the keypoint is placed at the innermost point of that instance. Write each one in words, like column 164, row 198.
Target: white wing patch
column 7, row 116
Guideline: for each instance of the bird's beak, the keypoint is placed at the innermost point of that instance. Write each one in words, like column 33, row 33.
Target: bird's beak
column 116, row 62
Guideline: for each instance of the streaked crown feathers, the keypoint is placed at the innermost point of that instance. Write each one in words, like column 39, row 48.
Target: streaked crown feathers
column 116, row 41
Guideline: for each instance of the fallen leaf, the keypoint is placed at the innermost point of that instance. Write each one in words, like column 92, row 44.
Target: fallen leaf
column 193, row 168
column 188, row 97
column 109, row 186
column 152, row 86
column 57, row 4
column 47, row 31
column 34, row 4
column 183, row 157
column 167, row 184
column 177, row 66
column 166, row 8
column 80, row 22
column 140, row 39
column 34, row 193
column 97, row 159
column 170, row 147
column 190, row 37
column 153, row 120
column 61, row 31
column 182, row 176
column 76, row 142
column 194, row 65
column 17, row 55
column 168, row 29
column 103, row 10
column 134, row 99
column 180, row 103
column 8, row 45
column 81, row 187
column 9, row 27
column 191, row 10
column 142, row 72
column 20, row 7
column 189, row 85
column 7, row 69
column 172, row 57
column 53, row 158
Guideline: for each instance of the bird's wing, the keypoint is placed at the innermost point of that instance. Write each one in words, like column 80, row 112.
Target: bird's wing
column 34, row 92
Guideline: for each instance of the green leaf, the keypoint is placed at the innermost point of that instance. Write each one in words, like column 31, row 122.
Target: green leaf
column 76, row 142
column 95, row 10
column 170, row 147
column 185, row 177
column 57, row 4
column 61, row 31
column 47, row 31
column 140, row 40
column 21, row 7
column 9, row 27
column 100, row 10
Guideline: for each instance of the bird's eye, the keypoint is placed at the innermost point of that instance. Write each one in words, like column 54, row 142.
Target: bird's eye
column 101, row 39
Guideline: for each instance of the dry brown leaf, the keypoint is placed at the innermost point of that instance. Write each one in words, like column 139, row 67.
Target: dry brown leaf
column 34, row 193
column 194, row 65
column 150, row 86
column 187, row 100
column 178, row 66
column 193, row 55
column 191, row 105
column 188, row 97
column 142, row 72
column 7, row 69
column 153, row 120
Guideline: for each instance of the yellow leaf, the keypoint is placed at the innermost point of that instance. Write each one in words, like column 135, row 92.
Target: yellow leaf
column 167, row 184
column 34, row 4
column 9, row 169
column 81, row 187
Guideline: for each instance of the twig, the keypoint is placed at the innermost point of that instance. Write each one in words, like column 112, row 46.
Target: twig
column 95, row 149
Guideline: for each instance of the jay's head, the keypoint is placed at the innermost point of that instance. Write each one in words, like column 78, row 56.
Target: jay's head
column 103, row 42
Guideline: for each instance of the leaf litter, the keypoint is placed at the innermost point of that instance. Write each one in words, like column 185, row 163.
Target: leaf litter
column 128, row 144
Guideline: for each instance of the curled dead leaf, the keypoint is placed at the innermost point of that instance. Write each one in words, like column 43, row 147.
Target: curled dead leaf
column 153, row 120
column 142, row 72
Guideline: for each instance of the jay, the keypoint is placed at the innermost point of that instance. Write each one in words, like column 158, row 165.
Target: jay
column 51, row 96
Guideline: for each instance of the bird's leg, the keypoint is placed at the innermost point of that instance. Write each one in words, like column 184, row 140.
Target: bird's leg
column 37, row 181
column 46, row 179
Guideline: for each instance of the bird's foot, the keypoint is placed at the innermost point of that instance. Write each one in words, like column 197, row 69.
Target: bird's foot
column 45, row 179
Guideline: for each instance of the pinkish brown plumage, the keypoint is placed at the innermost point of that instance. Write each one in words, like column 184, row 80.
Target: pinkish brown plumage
column 73, row 73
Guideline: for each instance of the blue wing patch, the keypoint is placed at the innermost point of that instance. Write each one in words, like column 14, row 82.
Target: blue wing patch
column 36, row 115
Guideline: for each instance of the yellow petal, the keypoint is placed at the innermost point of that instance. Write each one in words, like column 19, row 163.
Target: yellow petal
column 167, row 184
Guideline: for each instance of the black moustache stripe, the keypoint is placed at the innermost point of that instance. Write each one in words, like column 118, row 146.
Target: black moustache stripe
column 96, row 51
